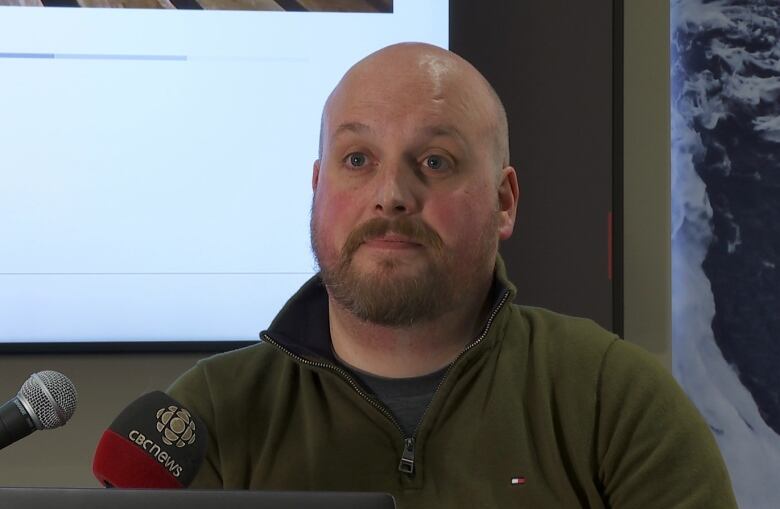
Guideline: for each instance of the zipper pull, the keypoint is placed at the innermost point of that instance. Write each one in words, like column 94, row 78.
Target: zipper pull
column 407, row 457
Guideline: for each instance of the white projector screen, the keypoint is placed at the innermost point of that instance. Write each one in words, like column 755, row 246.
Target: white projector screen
column 155, row 164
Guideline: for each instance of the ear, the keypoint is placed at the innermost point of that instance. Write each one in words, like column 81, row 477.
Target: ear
column 508, row 195
column 315, row 176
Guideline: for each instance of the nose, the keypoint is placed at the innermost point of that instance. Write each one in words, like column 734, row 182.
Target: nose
column 397, row 190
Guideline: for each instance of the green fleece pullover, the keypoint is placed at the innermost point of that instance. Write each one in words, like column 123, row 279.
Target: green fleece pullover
column 540, row 411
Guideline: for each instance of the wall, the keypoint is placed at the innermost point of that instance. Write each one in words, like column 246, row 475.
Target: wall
column 554, row 73
column 647, row 244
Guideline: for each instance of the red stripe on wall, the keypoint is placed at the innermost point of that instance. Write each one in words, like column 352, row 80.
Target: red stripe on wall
column 609, row 245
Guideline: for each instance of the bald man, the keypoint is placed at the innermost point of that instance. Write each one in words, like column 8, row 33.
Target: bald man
column 404, row 366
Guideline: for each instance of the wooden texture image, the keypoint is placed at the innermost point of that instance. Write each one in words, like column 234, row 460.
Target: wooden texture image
column 232, row 5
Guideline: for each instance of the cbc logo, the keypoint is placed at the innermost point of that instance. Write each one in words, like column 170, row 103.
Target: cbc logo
column 176, row 426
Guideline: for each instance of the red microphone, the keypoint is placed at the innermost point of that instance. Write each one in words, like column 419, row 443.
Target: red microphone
column 154, row 443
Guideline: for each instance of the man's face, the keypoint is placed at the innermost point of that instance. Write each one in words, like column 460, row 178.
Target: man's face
column 405, row 220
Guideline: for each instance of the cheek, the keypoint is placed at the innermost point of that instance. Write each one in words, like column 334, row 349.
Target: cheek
column 334, row 216
column 461, row 218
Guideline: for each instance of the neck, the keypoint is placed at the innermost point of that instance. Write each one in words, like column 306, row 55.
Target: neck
column 403, row 352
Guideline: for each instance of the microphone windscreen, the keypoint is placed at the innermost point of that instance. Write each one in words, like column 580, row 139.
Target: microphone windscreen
column 153, row 443
column 49, row 397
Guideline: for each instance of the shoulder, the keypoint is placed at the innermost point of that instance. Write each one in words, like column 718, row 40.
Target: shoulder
column 582, row 367
column 226, row 376
column 563, row 344
column 551, row 326
column 238, row 362
column 575, row 350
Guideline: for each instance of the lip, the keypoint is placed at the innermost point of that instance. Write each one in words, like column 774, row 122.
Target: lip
column 392, row 242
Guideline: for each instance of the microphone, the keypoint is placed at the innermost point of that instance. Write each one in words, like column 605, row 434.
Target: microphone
column 46, row 401
column 153, row 443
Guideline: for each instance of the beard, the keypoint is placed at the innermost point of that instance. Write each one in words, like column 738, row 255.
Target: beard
column 389, row 295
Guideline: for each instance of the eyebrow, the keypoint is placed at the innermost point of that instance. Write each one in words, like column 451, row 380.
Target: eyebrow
column 352, row 127
column 430, row 131
column 447, row 130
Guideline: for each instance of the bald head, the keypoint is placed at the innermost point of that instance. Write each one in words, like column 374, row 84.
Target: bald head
column 412, row 190
column 404, row 72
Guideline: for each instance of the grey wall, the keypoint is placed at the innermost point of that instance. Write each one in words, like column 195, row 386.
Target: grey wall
column 554, row 73
column 646, row 144
column 108, row 382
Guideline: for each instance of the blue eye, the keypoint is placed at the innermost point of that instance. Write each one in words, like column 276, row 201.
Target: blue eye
column 435, row 162
column 356, row 159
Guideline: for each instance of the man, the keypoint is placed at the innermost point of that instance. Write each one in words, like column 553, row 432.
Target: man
column 404, row 367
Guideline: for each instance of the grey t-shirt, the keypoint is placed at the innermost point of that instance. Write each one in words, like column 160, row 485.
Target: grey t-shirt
column 407, row 398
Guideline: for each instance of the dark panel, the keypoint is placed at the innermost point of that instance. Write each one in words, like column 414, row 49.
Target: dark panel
column 551, row 61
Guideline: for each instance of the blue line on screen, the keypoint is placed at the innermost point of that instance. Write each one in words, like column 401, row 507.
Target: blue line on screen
column 91, row 56
column 26, row 55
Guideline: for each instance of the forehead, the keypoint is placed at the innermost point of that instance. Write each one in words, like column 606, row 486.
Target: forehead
column 434, row 101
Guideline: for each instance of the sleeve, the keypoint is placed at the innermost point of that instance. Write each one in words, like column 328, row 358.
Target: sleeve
column 654, row 449
column 192, row 390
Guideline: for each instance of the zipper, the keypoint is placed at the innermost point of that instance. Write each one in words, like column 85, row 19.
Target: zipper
column 407, row 457
column 406, row 465
column 345, row 375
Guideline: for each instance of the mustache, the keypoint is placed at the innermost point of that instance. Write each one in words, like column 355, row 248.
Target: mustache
column 414, row 229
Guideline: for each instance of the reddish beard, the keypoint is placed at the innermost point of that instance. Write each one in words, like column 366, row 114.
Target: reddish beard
column 386, row 296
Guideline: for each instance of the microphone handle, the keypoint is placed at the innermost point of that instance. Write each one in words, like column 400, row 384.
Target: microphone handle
column 15, row 423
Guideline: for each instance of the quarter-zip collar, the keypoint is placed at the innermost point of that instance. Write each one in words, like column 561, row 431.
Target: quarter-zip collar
column 302, row 331
column 303, row 328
